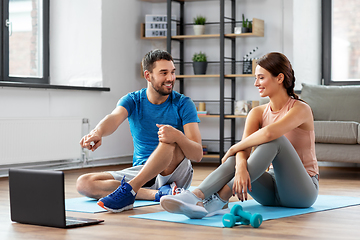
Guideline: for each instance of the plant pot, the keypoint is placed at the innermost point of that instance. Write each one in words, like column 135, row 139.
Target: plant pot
column 199, row 67
column 199, row 29
column 245, row 30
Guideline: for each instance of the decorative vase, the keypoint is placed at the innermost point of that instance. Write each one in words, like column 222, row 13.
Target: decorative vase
column 199, row 29
column 199, row 67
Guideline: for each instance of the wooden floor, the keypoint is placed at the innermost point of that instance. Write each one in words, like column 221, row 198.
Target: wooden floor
column 334, row 224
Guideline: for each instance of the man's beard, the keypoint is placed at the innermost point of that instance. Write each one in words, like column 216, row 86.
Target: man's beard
column 159, row 89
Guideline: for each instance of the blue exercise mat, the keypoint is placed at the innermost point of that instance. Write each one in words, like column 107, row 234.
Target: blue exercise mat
column 323, row 203
column 89, row 205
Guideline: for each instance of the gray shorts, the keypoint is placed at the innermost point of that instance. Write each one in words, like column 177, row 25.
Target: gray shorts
column 182, row 175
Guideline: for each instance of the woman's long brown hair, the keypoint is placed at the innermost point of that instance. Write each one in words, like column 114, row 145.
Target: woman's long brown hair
column 277, row 63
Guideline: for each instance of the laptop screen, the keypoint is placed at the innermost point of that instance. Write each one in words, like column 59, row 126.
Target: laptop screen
column 37, row 197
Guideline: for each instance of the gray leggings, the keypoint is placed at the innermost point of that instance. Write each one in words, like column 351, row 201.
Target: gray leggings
column 288, row 184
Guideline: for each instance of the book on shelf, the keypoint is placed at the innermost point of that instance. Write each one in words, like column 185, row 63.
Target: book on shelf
column 205, row 149
column 202, row 112
column 243, row 107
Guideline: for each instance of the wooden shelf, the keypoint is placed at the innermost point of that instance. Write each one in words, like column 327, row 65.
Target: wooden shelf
column 211, row 75
column 195, row 36
column 208, row 116
column 217, row 116
column 211, row 156
column 214, row 76
column 218, row 75
column 231, row 35
column 199, row 76
column 153, row 38
column 239, row 75
column 235, row 116
column 257, row 31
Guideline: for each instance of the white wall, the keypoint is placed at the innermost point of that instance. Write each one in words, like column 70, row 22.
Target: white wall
column 307, row 42
column 121, row 57
column 75, row 38
column 97, row 39
column 102, row 41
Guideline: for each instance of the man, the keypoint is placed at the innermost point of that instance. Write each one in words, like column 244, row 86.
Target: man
column 166, row 136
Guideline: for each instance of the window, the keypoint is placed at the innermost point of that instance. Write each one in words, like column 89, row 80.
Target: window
column 341, row 42
column 25, row 41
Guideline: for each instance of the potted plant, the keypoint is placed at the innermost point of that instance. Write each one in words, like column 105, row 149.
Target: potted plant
column 199, row 25
column 199, row 63
column 246, row 25
column 249, row 26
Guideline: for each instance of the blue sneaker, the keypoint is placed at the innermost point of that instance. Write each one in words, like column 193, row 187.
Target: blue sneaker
column 120, row 200
column 170, row 189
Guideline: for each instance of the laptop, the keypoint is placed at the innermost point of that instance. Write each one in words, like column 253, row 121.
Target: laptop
column 37, row 197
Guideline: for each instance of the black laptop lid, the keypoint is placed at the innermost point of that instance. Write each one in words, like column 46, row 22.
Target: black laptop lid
column 37, row 197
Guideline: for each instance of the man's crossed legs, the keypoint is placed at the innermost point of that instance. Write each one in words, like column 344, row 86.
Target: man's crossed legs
column 117, row 190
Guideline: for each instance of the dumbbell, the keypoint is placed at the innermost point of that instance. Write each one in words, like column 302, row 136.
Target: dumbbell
column 238, row 215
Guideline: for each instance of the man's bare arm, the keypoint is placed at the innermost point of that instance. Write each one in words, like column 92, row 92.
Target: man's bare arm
column 105, row 127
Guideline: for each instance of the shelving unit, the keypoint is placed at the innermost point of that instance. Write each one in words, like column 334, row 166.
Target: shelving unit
column 257, row 31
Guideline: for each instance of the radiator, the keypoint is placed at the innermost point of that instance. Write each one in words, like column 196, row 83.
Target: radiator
column 36, row 140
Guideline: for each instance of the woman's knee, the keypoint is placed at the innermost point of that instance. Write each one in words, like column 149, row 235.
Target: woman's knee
column 276, row 142
column 230, row 161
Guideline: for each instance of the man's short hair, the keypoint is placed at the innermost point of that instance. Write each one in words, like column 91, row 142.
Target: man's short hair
column 148, row 62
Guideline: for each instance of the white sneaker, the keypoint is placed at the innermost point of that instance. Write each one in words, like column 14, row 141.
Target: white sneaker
column 184, row 203
column 215, row 205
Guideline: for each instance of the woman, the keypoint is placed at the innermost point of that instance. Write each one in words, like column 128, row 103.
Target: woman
column 283, row 133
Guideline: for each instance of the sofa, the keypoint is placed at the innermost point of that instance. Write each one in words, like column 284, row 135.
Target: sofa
column 336, row 112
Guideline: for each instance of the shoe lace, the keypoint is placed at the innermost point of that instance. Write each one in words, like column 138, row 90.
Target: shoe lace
column 179, row 190
column 210, row 199
column 120, row 191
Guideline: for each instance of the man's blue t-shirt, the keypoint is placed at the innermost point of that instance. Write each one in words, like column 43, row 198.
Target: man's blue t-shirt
column 143, row 116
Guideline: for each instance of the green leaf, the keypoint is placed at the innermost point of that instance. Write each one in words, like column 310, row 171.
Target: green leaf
column 199, row 57
column 199, row 20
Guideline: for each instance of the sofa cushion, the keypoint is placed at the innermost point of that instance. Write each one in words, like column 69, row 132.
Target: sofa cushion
column 336, row 132
column 337, row 152
column 333, row 103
